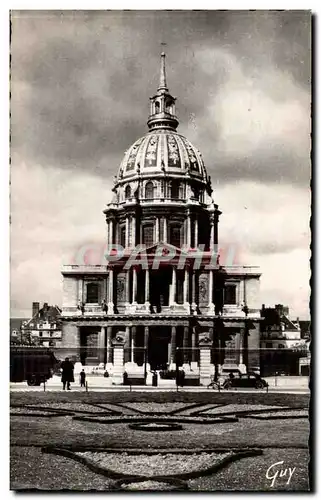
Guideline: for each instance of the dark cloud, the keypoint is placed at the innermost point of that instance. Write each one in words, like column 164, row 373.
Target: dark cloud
column 80, row 86
column 81, row 80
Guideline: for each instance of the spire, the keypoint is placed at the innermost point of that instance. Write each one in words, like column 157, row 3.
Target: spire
column 162, row 104
column 162, row 78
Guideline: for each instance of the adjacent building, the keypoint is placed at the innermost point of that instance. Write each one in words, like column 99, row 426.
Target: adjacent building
column 281, row 341
column 163, row 210
column 44, row 327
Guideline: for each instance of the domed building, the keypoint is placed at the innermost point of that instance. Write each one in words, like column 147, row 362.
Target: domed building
column 161, row 298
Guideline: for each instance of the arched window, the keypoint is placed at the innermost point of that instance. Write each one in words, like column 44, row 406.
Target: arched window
column 175, row 190
column 149, row 190
column 175, row 235
column 169, row 107
column 92, row 291
column 157, row 107
column 196, row 192
column 128, row 192
column 123, row 236
column 148, row 234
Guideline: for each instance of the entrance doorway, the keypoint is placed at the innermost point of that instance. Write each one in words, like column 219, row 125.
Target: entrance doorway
column 158, row 343
column 160, row 281
column 89, row 345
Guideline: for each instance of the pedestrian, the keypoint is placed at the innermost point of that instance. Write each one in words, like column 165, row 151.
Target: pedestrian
column 82, row 377
column 67, row 373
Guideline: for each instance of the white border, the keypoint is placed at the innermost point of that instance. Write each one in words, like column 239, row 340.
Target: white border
column 4, row 210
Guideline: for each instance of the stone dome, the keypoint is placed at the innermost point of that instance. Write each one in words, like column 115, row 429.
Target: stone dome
column 162, row 151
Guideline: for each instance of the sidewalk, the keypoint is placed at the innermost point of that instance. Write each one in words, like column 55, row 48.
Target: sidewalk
column 97, row 383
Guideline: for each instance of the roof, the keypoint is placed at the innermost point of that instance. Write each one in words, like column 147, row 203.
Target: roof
column 15, row 323
column 50, row 314
column 272, row 317
column 161, row 151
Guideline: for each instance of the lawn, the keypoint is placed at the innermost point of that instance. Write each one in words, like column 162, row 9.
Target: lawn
column 58, row 451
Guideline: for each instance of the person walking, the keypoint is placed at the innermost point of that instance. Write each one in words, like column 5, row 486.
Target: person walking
column 67, row 373
column 82, row 376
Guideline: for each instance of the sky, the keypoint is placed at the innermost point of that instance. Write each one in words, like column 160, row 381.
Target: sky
column 80, row 88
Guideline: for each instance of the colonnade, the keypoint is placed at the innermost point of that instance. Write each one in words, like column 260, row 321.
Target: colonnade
column 106, row 333
column 132, row 235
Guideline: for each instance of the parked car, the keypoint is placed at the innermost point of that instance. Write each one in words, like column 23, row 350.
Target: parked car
column 33, row 364
column 245, row 380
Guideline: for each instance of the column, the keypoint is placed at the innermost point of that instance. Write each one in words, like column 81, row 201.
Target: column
column 147, row 303
column 101, row 345
column 241, row 346
column 188, row 240
column 81, row 290
column 185, row 289
column 164, row 230
column 108, row 232
column 241, row 294
column 173, row 288
column 194, row 357
column 127, row 345
column 134, row 286
column 212, row 235
column 173, row 345
column 127, row 233
column 196, row 232
column 111, row 292
column 132, row 344
column 146, row 335
column 193, row 291
column 109, row 346
column 157, row 230
column 216, row 218
column 210, row 291
column 127, row 290
column 185, row 345
column 118, row 363
column 133, row 244
column 111, row 232
column 205, row 364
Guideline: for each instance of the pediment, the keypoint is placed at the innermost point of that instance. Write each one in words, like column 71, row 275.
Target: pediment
column 167, row 249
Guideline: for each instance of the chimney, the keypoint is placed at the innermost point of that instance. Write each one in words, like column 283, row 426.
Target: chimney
column 35, row 308
column 279, row 309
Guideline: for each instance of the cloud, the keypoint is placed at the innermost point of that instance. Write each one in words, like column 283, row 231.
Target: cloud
column 80, row 87
column 263, row 219
column 53, row 213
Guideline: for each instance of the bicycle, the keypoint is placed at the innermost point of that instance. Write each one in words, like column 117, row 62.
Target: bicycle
column 214, row 384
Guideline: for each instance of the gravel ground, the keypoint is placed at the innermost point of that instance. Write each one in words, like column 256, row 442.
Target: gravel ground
column 156, row 407
column 114, row 407
column 208, row 397
column 237, row 407
column 29, row 411
column 148, row 486
column 280, row 414
column 245, row 432
column 78, row 407
column 249, row 474
column 30, row 468
column 154, row 465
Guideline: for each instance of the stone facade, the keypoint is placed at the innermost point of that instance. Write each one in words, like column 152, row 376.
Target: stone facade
column 165, row 290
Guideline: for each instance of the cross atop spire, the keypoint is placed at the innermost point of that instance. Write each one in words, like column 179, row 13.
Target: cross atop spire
column 162, row 79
